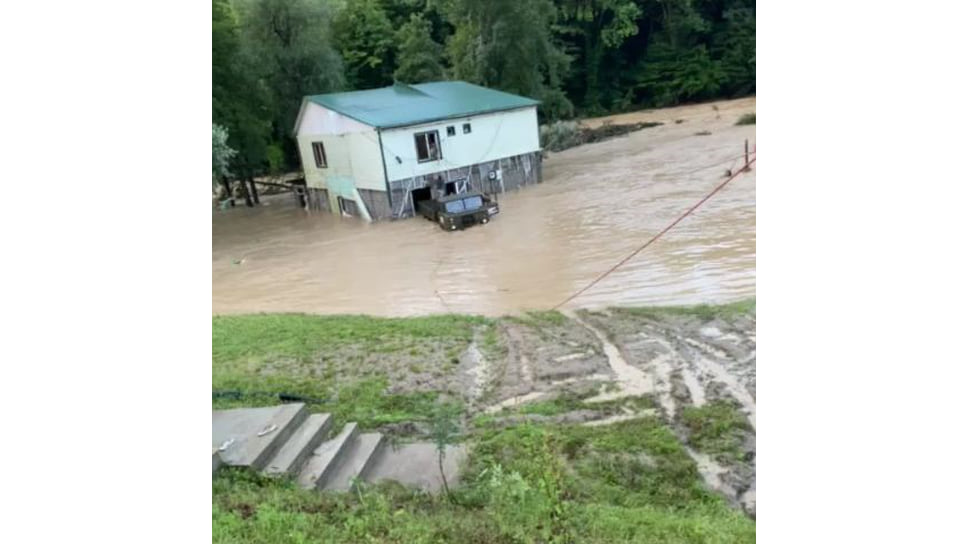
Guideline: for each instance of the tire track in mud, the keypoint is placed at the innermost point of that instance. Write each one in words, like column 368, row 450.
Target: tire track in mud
column 674, row 361
column 631, row 380
column 686, row 372
column 708, row 362
column 524, row 371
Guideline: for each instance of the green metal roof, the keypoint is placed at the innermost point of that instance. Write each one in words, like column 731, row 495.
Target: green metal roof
column 402, row 104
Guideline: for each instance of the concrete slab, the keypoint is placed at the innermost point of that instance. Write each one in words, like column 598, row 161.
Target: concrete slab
column 290, row 457
column 325, row 458
column 216, row 460
column 355, row 462
column 249, row 437
column 415, row 465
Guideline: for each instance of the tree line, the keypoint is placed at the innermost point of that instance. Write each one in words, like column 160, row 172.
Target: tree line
column 579, row 57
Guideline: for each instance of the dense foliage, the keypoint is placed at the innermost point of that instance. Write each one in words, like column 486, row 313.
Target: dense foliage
column 579, row 57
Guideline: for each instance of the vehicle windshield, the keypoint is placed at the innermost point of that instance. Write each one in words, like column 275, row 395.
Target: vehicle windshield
column 473, row 202
column 454, row 206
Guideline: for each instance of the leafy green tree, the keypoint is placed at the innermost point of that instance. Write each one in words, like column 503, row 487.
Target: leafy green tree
column 597, row 27
column 509, row 45
column 286, row 45
column 238, row 98
column 419, row 55
column 677, row 66
column 365, row 37
column 736, row 43
column 221, row 153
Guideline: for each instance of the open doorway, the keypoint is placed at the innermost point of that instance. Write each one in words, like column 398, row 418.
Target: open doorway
column 419, row 194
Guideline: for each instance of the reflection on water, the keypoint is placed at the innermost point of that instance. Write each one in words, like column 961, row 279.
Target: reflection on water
column 597, row 203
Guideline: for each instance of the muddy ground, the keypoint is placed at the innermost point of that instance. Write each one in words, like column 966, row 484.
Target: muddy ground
column 696, row 372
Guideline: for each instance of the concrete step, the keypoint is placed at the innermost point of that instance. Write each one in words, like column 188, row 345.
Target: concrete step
column 415, row 465
column 325, row 458
column 355, row 463
column 250, row 437
column 291, row 456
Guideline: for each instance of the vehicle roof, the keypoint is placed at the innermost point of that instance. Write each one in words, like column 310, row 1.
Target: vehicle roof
column 449, row 198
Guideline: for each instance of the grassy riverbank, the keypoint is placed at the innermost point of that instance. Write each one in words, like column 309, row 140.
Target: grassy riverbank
column 538, row 481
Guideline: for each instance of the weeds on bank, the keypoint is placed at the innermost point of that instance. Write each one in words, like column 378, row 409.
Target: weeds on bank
column 717, row 428
column 747, row 119
column 630, row 482
column 702, row 311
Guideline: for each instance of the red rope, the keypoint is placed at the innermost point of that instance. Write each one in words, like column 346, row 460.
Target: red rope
column 656, row 237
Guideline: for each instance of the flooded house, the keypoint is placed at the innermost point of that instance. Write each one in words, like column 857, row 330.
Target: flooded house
column 375, row 153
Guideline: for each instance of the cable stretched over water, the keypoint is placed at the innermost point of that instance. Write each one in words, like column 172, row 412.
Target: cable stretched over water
column 656, row 237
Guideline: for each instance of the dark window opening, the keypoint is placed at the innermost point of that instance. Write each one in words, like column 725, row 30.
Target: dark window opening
column 467, row 128
column 319, row 152
column 428, row 146
column 347, row 206
column 450, row 188
column 451, row 130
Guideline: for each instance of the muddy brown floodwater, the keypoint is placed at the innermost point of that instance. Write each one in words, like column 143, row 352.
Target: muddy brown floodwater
column 598, row 202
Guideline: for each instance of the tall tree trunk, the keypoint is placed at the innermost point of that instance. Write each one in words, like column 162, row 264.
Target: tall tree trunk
column 255, row 192
column 245, row 193
column 228, row 190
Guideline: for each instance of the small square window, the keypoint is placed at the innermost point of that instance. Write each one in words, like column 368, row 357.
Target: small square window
column 467, row 128
column 320, row 154
column 451, row 131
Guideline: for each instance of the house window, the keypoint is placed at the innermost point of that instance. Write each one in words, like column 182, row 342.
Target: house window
column 320, row 153
column 451, row 131
column 347, row 206
column 428, row 146
column 467, row 128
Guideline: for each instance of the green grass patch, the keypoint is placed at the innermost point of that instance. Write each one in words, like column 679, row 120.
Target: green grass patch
column 565, row 402
column 250, row 509
column 239, row 339
column 549, row 318
column 747, row 119
column 365, row 402
column 717, row 428
column 333, row 359
column 702, row 311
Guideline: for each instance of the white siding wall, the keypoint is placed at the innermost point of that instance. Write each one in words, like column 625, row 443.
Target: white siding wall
column 352, row 151
column 493, row 136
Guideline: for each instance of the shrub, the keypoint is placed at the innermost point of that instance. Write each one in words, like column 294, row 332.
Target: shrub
column 560, row 135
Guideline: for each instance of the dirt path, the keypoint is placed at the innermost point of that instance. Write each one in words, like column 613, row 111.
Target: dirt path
column 597, row 202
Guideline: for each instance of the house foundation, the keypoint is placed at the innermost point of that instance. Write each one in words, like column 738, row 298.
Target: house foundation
column 491, row 177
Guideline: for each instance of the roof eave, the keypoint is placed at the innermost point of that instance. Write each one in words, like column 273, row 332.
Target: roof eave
column 302, row 109
column 458, row 116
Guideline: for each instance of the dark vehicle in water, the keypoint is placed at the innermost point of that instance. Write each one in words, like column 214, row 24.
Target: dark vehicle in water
column 460, row 211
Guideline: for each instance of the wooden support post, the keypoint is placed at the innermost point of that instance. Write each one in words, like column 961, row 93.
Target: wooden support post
column 253, row 190
column 747, row 152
